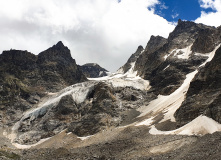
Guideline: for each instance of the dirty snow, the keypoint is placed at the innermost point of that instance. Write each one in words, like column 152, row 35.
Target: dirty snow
column 200, row 126
column 21, row 146
column 146, row 122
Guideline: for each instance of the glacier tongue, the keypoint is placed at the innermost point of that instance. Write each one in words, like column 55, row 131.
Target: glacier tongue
column 128, row 79
column 78, row 91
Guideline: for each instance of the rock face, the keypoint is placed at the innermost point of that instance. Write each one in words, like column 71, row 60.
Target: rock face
column 166, row 62
column 25, row 77
column 163, row 62
column 131, row 61
column 203, row 96
column 93, row 70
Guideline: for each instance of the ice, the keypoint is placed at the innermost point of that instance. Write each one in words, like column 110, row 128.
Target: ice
column 128, row 79
column 200, row 126
column 168, row 104
column 78, row 91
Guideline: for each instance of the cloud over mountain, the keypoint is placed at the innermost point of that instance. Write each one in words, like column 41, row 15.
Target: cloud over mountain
column 100, row 31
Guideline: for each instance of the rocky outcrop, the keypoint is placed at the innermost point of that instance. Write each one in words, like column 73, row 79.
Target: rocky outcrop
column 93, row 70
column 25, row 78
column 148, row 58
column 203, row 96
column 131, row 61
column 163, row 62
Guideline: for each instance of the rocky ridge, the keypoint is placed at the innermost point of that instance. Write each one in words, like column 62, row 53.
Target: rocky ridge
column 26, row 78
column 120, row 116
column 93, row 70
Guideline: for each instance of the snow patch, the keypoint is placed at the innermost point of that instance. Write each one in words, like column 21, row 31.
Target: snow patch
column 166, row 67
column 185, row 52
column 146, row 122
column 84, row 138
column 168, row 104
column 199, row 126
column 21, row 146
column 210, row 55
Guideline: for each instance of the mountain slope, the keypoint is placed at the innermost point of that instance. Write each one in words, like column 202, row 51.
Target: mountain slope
column 162, row 104
column 203, row 96
column 25, row 78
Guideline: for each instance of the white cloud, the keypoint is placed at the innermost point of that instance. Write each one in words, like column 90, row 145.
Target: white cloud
column 101, row 31
column 211, row 18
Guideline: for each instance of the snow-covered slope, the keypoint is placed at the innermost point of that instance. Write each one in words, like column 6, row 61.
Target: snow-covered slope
column 200, row 126
column 168, row 104
column 128, row 79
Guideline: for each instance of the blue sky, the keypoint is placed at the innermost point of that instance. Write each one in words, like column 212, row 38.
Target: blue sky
column 172, row 10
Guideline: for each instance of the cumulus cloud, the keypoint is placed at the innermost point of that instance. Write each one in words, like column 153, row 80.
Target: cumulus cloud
column 211, row 18
column 101, row 31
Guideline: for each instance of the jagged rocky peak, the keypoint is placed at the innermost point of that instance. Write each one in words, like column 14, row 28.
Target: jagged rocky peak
column 155, row 43
column 93, row 70
column 57, row 52
column 185, row 33
column 176, row 55
column 59, row 46
column 139, row 49
column 25, row 77
column 208, row 38
column 131, row 61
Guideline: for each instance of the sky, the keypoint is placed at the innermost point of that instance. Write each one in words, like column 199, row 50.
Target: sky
column 106, row 32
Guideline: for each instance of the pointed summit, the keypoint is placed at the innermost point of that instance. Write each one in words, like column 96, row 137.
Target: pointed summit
column 60, row 44
column 57, row 52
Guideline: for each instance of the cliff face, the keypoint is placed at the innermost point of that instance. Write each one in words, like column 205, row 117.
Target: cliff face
column 25, row 77
column 204, row 94
column 165, row 61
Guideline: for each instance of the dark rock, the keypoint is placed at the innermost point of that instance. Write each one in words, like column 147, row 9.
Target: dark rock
column 167, row 74
column 132, row 59
column 203, row 96
column 93, row 70
column 148, row 57
column 25, row 78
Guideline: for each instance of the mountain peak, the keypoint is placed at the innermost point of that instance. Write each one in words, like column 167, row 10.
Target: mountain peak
column 139, row 49
column 60, row 44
